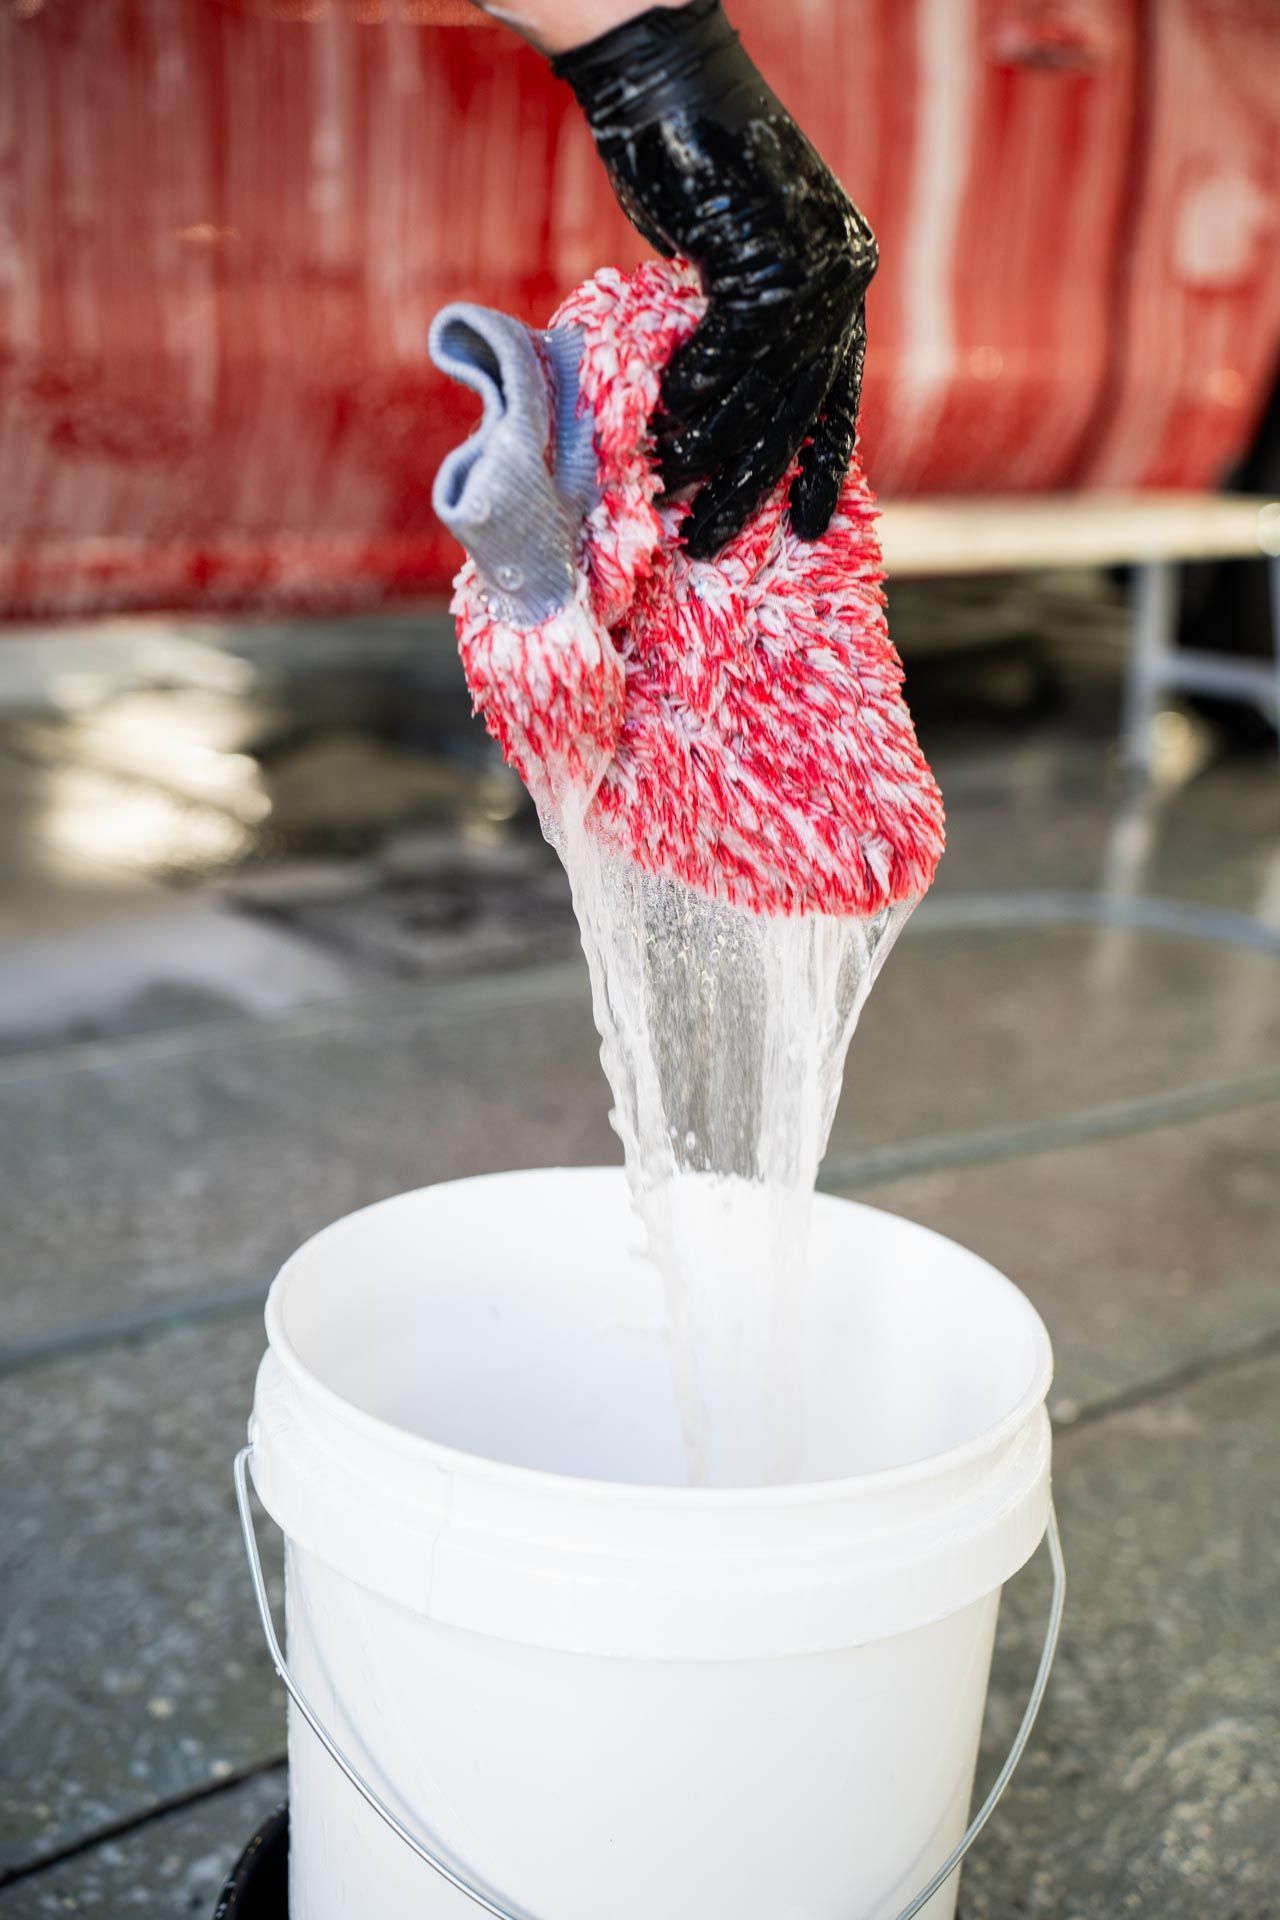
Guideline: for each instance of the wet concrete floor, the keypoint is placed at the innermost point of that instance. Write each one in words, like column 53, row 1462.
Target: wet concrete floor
column 278, row 936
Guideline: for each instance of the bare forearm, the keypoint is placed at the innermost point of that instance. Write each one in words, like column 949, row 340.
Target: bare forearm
column 556, row 25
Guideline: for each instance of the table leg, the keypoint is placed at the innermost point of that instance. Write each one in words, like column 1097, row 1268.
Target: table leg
column 1155, row 606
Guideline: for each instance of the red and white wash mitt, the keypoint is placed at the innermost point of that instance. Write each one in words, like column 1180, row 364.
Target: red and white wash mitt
column 737, row 724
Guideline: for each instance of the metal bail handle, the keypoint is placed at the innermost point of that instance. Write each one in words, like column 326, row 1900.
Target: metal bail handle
column 496, row 1907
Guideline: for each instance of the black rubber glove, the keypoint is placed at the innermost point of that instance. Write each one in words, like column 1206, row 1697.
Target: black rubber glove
column 708, row 163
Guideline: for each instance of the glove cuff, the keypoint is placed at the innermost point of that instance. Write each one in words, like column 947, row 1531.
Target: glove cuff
column 665, row 60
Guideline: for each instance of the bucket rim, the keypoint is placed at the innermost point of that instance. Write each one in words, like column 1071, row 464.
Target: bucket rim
column 585, row 1491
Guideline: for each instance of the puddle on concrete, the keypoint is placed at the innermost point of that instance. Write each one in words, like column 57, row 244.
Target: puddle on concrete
column 205, row 810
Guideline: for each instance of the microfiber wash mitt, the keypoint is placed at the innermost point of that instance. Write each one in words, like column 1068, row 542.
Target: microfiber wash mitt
column 737, row 723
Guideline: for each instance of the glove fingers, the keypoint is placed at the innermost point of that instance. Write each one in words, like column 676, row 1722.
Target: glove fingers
column 779, row 387
column 720, row 431
column 700, row 371
column 825, row 461
column 737, row 333
column 728, row 501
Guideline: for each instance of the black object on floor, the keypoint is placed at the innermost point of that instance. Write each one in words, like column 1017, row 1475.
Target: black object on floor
column 258, row 1888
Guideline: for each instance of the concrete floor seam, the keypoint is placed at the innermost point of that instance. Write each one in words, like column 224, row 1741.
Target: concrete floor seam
column 1210, row 1366
column 982, row 1146
column 138, row 1325
column 448, row 998
column 1135, row 913
column 855, row 1174
column 1265, row 1347
column 121, row 1829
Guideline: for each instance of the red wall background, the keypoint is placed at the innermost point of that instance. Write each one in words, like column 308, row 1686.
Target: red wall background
column 224, row 228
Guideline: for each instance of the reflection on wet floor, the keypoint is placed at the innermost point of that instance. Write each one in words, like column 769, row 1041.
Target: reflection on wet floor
column 204, row 818
column 295, row 752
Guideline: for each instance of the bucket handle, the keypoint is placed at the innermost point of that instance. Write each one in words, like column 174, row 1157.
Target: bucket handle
column 495, row 1907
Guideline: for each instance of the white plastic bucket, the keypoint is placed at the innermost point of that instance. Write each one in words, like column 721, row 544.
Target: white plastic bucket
column 603, row 1692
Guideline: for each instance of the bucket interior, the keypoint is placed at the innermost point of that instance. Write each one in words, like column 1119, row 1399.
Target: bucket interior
column 516, row 1318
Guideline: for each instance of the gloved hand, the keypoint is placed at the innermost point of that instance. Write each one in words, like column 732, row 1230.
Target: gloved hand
column 708, row 163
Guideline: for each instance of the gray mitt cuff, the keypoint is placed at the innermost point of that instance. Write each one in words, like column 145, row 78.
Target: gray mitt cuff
column 516, row 492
